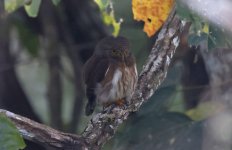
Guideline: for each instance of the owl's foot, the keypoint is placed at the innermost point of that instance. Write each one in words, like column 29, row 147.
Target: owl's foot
column 120, row 102
column 107, row 104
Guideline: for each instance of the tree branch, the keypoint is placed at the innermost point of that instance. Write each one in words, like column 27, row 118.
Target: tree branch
column 103, row 125
column 44, row 135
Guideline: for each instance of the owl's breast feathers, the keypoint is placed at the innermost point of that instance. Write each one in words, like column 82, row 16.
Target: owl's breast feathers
column 119, row 82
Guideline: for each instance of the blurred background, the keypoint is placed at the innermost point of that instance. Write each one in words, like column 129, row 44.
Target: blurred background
column 41, row 62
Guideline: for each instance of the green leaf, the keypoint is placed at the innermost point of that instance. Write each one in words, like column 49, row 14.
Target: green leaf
column 109, row 19
column 33, row 9
column 56, row 2
column 12, row 5
column 205, row 110
column 202, row 31
column 183, row 12
column 29, row 39
column 198, row 32
column 108, row 16
column 102, row 4
column 210, row 34
column 10, row 138
column 218, row 38
column 116, row 26
column 195, row 39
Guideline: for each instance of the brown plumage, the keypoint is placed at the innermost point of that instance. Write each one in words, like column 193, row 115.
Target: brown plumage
column 110, row 73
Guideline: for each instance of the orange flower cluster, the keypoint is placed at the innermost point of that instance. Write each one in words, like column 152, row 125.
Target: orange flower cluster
column 152, row 12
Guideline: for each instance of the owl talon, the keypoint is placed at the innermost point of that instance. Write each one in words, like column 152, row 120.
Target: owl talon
column 119, row 103
column 106, row 105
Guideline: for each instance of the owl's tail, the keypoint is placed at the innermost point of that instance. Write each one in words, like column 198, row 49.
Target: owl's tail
column 91, row 103
column 89, row 108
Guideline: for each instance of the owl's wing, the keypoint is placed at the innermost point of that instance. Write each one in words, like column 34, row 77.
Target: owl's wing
column 88, row 67
column 94, row 72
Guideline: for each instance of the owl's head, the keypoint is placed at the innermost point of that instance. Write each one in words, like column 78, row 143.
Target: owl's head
column 115, row 47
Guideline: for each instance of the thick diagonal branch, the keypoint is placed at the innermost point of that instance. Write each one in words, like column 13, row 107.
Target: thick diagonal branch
column 104, row 125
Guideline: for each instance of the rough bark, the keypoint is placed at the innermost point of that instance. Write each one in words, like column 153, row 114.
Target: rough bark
column 103, row 125
column 44, row 135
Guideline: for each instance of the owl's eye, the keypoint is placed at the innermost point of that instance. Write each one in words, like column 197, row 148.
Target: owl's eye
column 114, row 52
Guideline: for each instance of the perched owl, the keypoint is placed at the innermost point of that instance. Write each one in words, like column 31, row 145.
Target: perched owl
column 110, row 74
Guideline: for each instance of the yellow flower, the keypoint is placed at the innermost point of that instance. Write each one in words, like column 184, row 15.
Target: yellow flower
column 152, row 12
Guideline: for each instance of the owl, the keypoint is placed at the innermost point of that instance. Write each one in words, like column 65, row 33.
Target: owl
column 110, row 74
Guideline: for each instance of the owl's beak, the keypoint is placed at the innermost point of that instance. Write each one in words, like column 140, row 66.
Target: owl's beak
column 123, row 58
column 124, row 53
